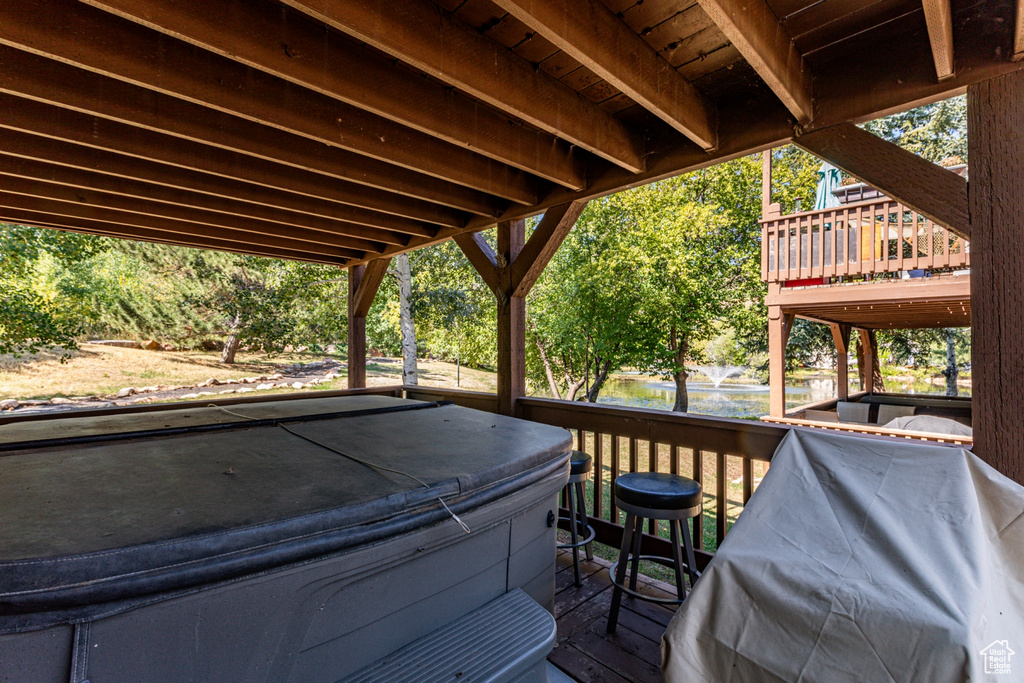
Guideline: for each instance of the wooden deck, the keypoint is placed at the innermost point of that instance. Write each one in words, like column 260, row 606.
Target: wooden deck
column 584, row 651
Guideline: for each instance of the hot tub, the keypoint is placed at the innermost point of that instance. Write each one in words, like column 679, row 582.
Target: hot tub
column 296, row 540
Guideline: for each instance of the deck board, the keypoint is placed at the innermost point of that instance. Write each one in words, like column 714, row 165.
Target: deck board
column 585, row 652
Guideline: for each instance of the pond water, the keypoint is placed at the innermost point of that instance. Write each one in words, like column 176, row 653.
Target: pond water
column 737, row 398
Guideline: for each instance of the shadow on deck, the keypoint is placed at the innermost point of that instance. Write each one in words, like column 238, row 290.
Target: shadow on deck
column 584, row 651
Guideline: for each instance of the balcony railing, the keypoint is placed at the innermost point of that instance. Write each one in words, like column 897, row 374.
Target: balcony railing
column 867, row 238
column 727, row 456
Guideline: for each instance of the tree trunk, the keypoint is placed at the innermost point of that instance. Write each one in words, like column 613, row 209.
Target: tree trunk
column 681, row 346
column 600, row 375
column 952, row 372
column 552, row 384
column 403, row 276
column 227, row 356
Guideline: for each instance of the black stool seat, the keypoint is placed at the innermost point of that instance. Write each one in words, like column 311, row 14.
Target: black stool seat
column 580, row 463
column 657, row 491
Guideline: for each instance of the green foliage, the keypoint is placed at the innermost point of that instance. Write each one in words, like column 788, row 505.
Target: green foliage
column 935, row 131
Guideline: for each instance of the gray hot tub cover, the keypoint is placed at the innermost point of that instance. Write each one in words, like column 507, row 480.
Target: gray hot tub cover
column 862, row 560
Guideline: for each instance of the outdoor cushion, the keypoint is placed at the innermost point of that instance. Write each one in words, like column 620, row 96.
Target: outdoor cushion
column 657, row 490
column 579, row 462
column 888, row 412
column 853, row 412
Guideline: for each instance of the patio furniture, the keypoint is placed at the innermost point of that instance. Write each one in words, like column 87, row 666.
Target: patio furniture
column 654, row 495
column 821, row 415
column 888, row 412
column 853, row 412
column 580, row 465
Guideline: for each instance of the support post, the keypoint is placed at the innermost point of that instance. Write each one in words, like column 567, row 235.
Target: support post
column 510, row 272
column 363, row 283
column 867, row 361
column 356, row 333
column 841, row 337
column 995, row 112
column 511, row 319
column 779, row 326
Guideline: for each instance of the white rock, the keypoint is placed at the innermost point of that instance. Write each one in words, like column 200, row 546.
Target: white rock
column 264, row 387
column 277, row 375
column 189, row 396
column 244, row 390
column 230, row 381
column 9, row 404
column 126, row 392
column 207, row 393
column 297, row 385
column 60, row 400
column 148, row 390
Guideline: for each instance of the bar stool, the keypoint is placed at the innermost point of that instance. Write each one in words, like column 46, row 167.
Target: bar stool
column 580, row 465
column 653, row 495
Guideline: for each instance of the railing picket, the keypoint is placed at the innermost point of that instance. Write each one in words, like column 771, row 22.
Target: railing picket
column 748, row 479
column 598, row 475
column 673, row 463
column 581, row 440
column 652, row 466
column 613, row 512
column 698, row 521
column 722, row 504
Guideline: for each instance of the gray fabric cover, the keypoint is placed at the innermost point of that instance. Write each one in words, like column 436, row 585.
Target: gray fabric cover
column 931, row 424
column 860, row 560
column 125, row 519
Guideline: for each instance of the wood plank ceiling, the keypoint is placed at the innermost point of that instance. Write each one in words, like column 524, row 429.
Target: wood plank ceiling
column 339, row 131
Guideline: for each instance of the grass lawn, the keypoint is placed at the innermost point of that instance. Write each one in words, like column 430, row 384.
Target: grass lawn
column 103, row 370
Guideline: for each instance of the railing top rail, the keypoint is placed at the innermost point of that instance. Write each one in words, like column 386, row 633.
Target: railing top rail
column 837, row 209
column 876, row 431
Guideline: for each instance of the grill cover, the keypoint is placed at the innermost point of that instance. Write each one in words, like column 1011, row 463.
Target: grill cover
column 861, row 560
column 119, row 519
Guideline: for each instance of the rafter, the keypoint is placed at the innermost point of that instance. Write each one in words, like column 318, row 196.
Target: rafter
column 355, row 76
column 422, row 34
column 1018, row 32
column 147, row 145
column 35, row 179
column 754, row 30
column 542, row 245
column 589, row 32
column 937, row 193
column 154, row 237
column 939, row 17
column 110, row 224
column 132, row 193
column 93, row 40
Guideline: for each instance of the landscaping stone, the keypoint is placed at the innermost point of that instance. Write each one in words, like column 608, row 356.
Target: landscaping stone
column 169, row 347
column 244, row 390
column 148, row 390
column 9, row 404
column 297, row 385
column 60, row 400
column 264, row 387
column 126, row 392
column 123, row 343
column 151, row 345
column 189, row 396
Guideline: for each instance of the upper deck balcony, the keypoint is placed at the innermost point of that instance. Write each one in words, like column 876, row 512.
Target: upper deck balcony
column 868, row 234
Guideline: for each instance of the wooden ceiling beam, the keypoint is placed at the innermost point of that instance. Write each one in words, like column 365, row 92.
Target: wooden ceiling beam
column 542, row 245
column 938, row 15
column 261, row 201
column 96, row 41
column 135, row 193
column 754, row 30
column 592, row 35
column 939, row 194
column 100, row 229
column 35, row 195
column 422, row 34
column 355, row 76
column 148, row 144
column 85, row 217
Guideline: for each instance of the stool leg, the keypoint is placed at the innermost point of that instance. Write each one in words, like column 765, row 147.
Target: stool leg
column 677, row 557
column 620, row 572
column 581, row 504
column 691, row 561
column 572, row 531
column 637, row 537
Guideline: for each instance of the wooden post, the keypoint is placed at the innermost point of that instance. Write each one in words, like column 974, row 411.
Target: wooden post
column 766, row 182
column 363, row 283
column 509, row 273
column 779, row 326
column 511, row 319
column 841, row 337
column 995, row 112
column 356, row 332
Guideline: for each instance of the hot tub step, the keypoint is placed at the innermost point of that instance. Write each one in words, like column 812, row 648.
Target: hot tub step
column 507, row 639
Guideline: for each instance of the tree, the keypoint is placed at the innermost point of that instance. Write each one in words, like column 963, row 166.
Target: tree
column 402, row 274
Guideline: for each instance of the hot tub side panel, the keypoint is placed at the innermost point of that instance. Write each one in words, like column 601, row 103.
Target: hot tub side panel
column 317, row 621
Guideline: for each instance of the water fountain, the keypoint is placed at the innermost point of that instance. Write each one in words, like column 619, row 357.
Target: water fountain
column 718, row 373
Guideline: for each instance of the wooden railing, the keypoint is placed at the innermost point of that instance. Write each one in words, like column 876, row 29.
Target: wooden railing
column 727, row 456
column 876, row 236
